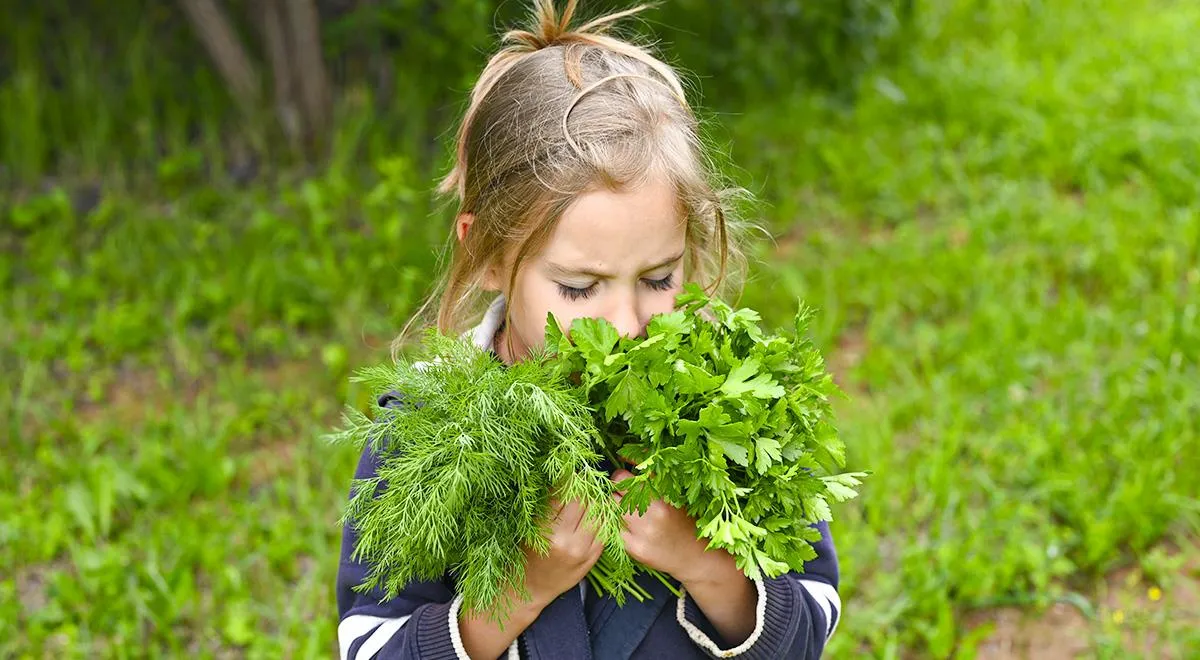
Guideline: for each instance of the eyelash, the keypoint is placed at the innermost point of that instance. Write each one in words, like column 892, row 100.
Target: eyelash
column 575, row 293
column 663, row 284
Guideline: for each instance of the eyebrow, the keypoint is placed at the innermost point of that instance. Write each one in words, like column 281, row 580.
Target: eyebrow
column 563, row 270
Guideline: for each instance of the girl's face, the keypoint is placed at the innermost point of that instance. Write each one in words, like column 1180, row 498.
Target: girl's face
column 612, row 255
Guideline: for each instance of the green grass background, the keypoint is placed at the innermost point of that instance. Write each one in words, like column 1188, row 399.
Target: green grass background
column 1001, row 232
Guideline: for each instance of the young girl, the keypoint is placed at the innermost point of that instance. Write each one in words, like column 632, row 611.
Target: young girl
column 583, row 191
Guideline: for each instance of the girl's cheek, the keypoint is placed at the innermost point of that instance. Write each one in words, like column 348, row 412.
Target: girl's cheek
column 665, row 303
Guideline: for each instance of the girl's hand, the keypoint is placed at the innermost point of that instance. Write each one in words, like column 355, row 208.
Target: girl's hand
column 664, row 538
column 574, row 549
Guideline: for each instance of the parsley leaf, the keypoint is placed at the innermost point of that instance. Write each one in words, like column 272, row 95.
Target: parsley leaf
column 746, row 377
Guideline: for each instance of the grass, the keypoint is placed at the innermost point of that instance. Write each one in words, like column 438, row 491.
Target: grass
column 1004, row 242
column 1002, row 237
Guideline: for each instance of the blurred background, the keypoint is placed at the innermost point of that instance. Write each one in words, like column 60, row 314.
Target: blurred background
column 211, row 211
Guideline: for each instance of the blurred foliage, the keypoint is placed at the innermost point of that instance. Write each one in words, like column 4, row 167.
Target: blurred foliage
column 89, row 86
column 997, row 222
column 755, row 52
column 241, row 273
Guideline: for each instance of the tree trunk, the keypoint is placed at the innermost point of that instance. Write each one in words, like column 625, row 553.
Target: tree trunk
column 309, row 69
column 275, row 30
column 220, row 39
column 291, row 36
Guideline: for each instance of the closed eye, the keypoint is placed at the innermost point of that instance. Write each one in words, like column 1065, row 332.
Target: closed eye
column 661, row 284
column 573, row 293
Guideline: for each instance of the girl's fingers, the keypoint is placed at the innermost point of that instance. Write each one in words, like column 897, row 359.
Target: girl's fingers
column 632, row 463
column 617, row 477
column 583, row 511
column 556, row 510
column 588, row 524
column 572, row 515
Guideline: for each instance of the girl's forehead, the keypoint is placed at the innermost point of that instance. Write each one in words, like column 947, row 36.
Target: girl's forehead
column 636, row 227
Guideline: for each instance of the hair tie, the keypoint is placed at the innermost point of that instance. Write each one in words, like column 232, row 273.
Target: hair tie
column 586, row 90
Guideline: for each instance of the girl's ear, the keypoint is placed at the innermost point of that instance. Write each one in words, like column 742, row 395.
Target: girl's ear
column 462, row 224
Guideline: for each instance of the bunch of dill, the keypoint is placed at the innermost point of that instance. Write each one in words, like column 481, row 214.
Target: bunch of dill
column 466, row 471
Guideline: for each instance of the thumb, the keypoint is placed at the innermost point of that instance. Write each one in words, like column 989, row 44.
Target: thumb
column 621, row 475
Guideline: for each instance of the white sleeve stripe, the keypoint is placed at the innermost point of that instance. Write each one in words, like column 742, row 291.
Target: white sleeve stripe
column 828, row 600
column 456, row 634
column 356, row 626
column 702, row 640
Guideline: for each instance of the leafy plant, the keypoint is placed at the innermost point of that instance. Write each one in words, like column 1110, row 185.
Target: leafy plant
column 725, row 420
column 466, row 472
column 722, row 419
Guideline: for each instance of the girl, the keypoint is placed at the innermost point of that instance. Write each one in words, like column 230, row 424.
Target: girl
column 583, row 190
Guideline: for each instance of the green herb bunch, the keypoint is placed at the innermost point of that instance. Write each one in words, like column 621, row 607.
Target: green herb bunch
column 722, row 419
column 466, row 471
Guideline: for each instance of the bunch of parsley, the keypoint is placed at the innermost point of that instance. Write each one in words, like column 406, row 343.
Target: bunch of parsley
column 466, row 471
column 722, row 419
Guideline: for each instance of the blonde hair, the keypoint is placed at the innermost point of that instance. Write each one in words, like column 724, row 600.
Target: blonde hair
column 560, row 111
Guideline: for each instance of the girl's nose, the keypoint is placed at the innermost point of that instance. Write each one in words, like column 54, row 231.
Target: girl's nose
column 625, row 319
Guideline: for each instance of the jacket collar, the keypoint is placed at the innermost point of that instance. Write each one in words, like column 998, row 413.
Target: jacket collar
column 484, row 334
